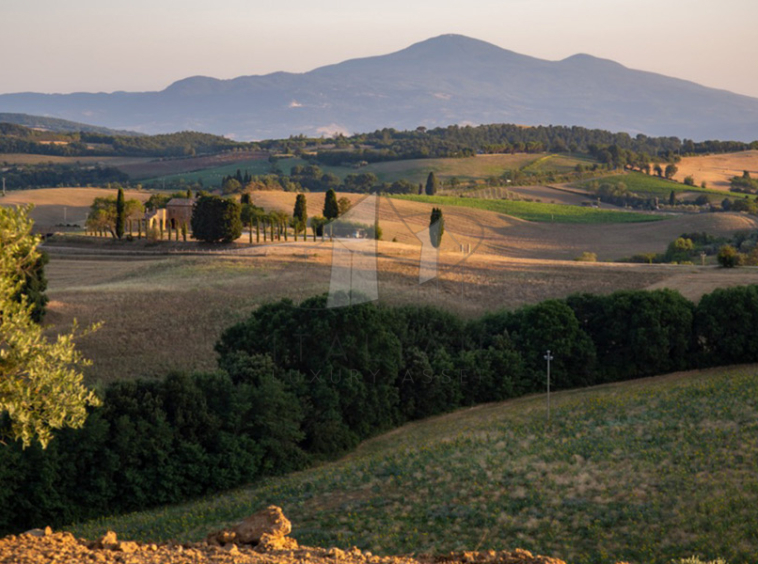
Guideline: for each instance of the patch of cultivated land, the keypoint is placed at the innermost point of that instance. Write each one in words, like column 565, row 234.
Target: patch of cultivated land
column 167, row 312
column 475, row 168
column 167, row 167
column 716, row 170
column 491, row 232
column 652, row 186
column 643, row 471
column 56, row 206
column 23, row 158
column 164, row 311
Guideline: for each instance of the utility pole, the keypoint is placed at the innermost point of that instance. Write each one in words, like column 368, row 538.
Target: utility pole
column 548, row 357
column 702, row 257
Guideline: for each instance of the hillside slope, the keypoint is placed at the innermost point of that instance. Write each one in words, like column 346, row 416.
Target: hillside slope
column 644, row 471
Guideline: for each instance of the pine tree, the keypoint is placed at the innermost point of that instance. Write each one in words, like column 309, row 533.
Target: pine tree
column 431, row 184
column 331, row 207
column 436, row 227
column 120, row 213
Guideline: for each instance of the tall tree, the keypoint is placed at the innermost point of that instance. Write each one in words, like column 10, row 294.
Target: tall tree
column 40, row 387
column 436, row 227
column 431, row 184
column 300, row 213
column 671, row 170
column 120, row 213
column 216, row 220
column 331, row 207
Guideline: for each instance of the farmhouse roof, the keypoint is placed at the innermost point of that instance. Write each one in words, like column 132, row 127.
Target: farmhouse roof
column 180, row 202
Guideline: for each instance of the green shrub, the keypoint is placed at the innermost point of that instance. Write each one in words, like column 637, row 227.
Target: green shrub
column 586, row 256
column 728, row 257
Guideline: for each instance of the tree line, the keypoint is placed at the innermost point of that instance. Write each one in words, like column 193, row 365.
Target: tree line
column 20, row 139
column 296, row 384
column 461, row 141
column 19, row 177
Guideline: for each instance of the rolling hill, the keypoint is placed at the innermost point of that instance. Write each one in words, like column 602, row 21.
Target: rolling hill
column 643, row 471
column 449, row 79
column 58, row 125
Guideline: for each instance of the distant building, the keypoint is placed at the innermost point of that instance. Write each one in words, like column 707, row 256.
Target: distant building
column 179, row 212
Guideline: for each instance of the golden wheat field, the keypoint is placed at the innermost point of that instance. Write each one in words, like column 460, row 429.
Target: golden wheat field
column 57, row 206
column 716, row 170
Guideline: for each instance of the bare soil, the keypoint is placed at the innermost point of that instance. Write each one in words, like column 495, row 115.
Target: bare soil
column 64, row 547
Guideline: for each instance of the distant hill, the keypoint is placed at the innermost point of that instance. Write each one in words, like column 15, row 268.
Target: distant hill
column 450, row 79
column 58, row 125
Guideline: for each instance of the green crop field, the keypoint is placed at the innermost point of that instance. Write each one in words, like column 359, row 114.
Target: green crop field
column 558, row 163
column 642, row 471
column 535, row 211
column 475, row 168
column 213, row 176
column 651, row 186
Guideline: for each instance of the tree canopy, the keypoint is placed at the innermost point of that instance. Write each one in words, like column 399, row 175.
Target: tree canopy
column 331, row 207
column 216, row 220
column 41, row 388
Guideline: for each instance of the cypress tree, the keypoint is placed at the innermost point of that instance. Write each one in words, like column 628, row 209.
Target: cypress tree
column 331, row 208
column 431, row 184
column 436, row 227
column 300, row 213
column 120, row 213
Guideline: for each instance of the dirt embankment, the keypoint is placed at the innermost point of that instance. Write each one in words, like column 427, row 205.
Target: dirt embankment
column 63, row 547
column 259, row 539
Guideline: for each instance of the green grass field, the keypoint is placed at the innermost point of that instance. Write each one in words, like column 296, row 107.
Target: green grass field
column 641, row 471
column 480, row 167
column 535, row 211
column 650, row 186
column 212, row 177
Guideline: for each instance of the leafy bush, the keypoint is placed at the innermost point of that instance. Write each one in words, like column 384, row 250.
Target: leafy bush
column 587, row 256
column 728, row 257
column 216, row 220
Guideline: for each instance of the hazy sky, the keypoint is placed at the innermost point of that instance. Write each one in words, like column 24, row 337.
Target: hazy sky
column 107, row 45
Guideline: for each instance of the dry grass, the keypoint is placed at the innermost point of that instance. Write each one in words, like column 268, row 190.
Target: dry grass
column 498, row 234
column 167, row 312
column 49, row 203
column 26, row 159
column 716, row 170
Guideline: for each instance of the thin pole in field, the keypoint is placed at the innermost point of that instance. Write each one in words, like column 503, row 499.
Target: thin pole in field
column 548, row 357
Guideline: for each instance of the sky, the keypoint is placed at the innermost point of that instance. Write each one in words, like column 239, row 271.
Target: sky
column 140, row 45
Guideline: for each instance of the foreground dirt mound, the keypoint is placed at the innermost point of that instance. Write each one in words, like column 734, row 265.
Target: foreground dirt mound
column 259, row 539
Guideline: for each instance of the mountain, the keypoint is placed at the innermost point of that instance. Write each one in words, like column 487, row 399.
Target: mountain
column 446, row 80
column 57, row 125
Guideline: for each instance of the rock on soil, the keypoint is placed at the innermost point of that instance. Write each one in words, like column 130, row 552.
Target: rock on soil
column 259, row 539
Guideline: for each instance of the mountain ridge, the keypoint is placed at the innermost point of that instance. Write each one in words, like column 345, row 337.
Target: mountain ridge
column 449, row 79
